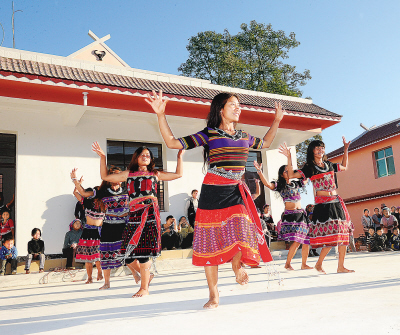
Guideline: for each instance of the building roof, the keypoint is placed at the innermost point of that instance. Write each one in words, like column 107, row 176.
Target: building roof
column 56, row 69
column 373, row 135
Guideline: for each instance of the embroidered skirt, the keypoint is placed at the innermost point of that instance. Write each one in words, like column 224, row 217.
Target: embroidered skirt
column 110, row 244
column 88, row 249
column 331, row 224
column 226, row 224
column 294, row 226
column 141, row 237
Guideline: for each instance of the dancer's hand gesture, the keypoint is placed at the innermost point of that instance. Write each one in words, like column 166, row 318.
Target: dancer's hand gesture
column 257, row 166
column 73, row 174
column 346, row 144
column 180, row 153
column 278, row 111
column 284, row 150
column 97, row 149
column 156, row 102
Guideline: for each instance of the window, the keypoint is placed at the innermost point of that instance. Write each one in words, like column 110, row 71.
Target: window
column 119, row 153
column 1, row 183
column 384, row 162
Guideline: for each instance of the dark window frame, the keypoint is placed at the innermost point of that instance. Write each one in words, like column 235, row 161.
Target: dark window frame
column 251, row 175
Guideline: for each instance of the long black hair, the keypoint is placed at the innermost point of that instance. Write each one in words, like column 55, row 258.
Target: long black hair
column 104, row 184
column 310, row 151
column 134, row 166
column 214, row 117
column 281, row 182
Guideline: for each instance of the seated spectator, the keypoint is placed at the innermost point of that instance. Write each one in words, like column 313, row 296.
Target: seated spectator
column 388, row 222
column 7, row 226
column 71, row 242
column 185, row 230
column 8, row 254
column 35, row 250
column 169, row 231
column 367, row 222
column 374, row 242
column 269, row 221
column 395, row 240
column 376, row 218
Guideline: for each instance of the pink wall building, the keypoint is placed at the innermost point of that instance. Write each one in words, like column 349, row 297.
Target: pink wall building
column 373, row 176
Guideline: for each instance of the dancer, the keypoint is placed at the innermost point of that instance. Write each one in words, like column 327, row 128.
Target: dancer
column 115, row 199
column 227, row 227
column 331, row 224
column 88, row 249
column 141, row 237
column 294, row 224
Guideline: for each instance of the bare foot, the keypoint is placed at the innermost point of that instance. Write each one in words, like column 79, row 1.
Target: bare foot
column 136, row 276
column 211, row 304
column 306, row 267
column 89, row 281
column 105, row 287
column 241, row 276
column 140, row 293
column 320, row 269
column 99, row 277
column 288, row 267
column 344, row 270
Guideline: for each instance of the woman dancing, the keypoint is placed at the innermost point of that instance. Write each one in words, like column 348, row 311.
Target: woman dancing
column 141, row 237
column 115, row 199
column 227, row 227
column 331, row 224
column 88, row 249
column 294, row 224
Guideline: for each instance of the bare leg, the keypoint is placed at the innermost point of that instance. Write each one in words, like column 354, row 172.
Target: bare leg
column 99, row 272
column 107, row 274
column 89, row 270
column 318, row 265
column 145, row 280
column 292, row 251
column 241, row 275
column 342, row 255
column 135, row 269
column 304, row 254
column 212, row 281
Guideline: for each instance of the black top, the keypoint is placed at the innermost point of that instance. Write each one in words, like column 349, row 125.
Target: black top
column 35, row 247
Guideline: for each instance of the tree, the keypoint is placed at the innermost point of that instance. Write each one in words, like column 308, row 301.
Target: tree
column 252, row 59
column 301, row 150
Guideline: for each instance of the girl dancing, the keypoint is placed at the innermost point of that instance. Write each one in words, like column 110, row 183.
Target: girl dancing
column 227, row 227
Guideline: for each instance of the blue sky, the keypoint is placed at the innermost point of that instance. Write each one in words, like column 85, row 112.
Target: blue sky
column 351, row 47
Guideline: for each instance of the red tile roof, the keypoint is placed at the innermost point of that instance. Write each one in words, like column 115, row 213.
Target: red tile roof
column 80, row 77
column 373, row 135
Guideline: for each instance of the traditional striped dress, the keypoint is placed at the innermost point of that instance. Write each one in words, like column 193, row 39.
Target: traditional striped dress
column 226, row 219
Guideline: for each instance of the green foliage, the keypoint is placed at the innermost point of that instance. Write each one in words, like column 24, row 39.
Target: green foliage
column 301, row 150
column 252, row 59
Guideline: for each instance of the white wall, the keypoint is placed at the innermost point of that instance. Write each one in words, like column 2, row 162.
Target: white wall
column 47, row 151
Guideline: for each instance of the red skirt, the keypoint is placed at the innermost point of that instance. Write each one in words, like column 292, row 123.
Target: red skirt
column 226, row 223
column 88, row 249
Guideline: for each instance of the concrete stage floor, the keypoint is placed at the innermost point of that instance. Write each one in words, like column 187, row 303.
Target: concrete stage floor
column 364, row 302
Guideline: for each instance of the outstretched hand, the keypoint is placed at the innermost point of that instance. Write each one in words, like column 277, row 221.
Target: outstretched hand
column 257, row 166
column 346, row 144
column 156, row 102
column 97, row 149
column 278, row 111
column 284, row 150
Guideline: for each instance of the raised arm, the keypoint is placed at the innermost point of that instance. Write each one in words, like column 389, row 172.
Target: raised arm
column 284, row 150
column 271, row 186
column 178, row 172
column 270, row 135
column 345, row 160
column 112, row 178
column 156, row 102
column 78, row 187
